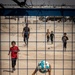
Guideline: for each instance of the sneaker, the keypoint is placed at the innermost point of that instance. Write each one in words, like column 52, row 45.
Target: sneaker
column 64, row 49
column 13, row 69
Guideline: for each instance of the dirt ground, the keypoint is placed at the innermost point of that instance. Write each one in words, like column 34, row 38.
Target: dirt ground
column 61, row 62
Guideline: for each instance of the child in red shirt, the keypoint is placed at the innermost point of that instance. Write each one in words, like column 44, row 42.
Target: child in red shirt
column 14, row 51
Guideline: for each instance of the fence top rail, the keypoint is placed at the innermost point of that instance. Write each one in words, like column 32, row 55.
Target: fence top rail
column 37, row 12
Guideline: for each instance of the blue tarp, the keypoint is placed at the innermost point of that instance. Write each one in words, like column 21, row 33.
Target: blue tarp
column 37, row 12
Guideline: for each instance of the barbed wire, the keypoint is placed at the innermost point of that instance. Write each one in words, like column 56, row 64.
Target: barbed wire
column 42, row 6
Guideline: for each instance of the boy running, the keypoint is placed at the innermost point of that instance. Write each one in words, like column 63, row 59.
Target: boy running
column 47, row 34
column 14, row 51
column 64, row 39
column 51, row 37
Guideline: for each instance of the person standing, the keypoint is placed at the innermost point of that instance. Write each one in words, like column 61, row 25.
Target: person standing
column 64, row 40
column 51, row 37
column 48, row 35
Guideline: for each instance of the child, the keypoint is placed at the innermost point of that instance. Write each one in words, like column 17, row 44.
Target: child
column 26, row 33
column 47, row 34
column 43, row 67
column 64, row 39
column 14, row 51
column 35, row 71
column 51, row 37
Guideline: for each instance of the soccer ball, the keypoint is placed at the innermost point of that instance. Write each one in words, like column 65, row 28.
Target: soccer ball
column 43, row 66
